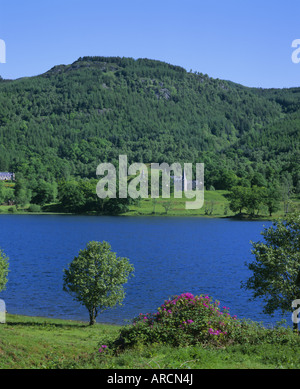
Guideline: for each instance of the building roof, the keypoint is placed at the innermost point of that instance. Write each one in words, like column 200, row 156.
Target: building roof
column 6, row 175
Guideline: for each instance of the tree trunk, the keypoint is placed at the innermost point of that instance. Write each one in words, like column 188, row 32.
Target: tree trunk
column 92, row 316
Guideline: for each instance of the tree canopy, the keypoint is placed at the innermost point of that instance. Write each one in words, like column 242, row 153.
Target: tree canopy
column 95, row 278
column 276, row 268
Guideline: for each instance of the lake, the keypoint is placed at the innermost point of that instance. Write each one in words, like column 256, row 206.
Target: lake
column 170, row 256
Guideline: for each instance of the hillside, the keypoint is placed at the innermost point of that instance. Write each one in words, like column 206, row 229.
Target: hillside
column 64, row 122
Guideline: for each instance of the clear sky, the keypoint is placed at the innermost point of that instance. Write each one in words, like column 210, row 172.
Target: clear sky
column 248, row 42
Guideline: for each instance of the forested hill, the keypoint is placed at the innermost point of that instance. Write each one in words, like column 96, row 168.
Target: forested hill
column 63, row 123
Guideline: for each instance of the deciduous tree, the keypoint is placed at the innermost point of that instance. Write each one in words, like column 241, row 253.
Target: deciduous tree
column 95, row 278
column 276, row 268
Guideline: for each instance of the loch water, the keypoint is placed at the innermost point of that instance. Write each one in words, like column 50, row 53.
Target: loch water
column 171, row 255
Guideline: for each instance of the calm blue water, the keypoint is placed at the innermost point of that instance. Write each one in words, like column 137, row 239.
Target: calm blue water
column 170, row 256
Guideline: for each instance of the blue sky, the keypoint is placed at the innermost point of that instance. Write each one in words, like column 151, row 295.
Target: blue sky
column 248, row 42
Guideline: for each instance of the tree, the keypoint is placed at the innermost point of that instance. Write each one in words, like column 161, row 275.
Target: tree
column 227, row 180
column 255, row 198
column 258, row 180
column 115, row 206
column 91, row 201
column 22, row 193
column 71, row 196
column 287, row 191
column 276, row 269
column 238, row 198
column 3, row 270
column 272, row 199
column 249, row 198
column 95, row 278
column 44, row 192
column 167, row 205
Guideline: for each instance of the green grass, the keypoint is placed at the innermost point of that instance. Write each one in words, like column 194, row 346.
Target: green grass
column 213, row 200
column 32, row 342
column 40, row 343
column 216, row 205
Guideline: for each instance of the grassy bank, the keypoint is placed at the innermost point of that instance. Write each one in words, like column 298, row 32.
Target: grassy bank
column 40, row 343
column 216, row 205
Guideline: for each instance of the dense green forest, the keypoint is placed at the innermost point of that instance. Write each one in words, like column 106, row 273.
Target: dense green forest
column 58, row 126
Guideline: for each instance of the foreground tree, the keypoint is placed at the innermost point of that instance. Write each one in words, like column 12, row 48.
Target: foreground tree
column 3, row 270
column 276, row 269
column 95, row 278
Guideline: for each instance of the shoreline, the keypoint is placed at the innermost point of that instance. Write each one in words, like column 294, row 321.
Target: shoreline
column 243, row 217
column 29, row 318
column 55, row 319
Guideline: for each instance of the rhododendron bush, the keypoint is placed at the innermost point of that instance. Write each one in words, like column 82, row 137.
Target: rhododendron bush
column 182, row 320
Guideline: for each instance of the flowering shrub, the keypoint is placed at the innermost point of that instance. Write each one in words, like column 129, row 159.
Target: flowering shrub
column 183, row 320
column 102, row 348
